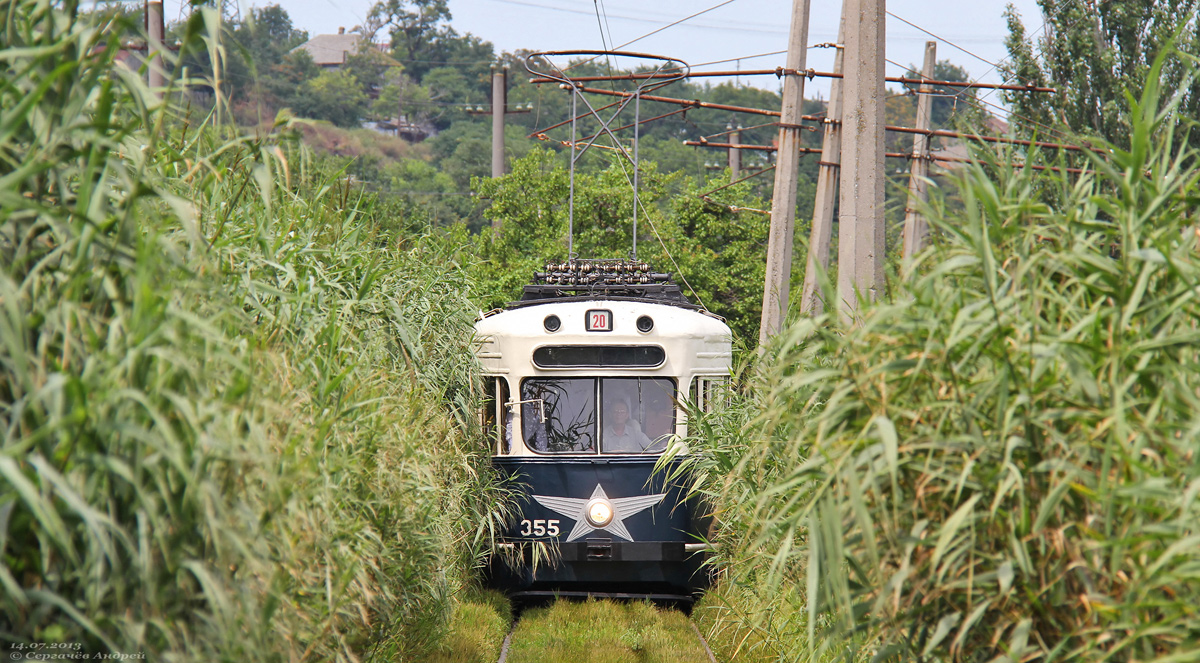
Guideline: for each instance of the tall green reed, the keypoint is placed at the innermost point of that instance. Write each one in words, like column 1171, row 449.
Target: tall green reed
column 1001, row 464
column 221, row 392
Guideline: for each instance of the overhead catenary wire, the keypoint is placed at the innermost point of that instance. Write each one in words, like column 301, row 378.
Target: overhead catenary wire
column 602, row 24
column 654, row 32
column 892, row 155
column 1042, row 29
column 943, row 39
column 812, row 118
column 979, row 103
column 975, row 83
column 541, row 135
column 745, row 57
column 779, row 72
column 645, row 17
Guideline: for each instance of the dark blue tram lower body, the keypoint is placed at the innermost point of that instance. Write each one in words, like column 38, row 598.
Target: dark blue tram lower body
column 651, row 550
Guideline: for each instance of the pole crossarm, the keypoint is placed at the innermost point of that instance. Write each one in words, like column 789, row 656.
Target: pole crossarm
column 991, row 139
column 746, row 146
column 541, row 133
column 933, row 132
column 890, row 155
column 695, row 103
column 780, row 72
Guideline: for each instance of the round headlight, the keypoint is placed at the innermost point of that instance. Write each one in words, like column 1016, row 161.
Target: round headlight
column 645, row 324
column 599, row 513
column 552, row 323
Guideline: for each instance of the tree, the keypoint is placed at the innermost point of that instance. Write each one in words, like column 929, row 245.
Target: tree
column 422, row 39
column 1095, row 54
column 717, row 249
column 336, row 96
column 261, row 53
column 952, row 108
column 286, row 80
column 449, row 90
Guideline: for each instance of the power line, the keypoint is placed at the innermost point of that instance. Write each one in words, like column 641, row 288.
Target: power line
column 1034, row 123
column 943, row 39
column 648, row 34
column 740, row 26
column 780, row 71
column 671, row 25
column 1041, row 43
column 602, row 25
column 746, row 57
column 604, row 10
column 993, row 65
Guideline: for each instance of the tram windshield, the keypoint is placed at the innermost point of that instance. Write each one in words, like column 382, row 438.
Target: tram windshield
column 560, row 415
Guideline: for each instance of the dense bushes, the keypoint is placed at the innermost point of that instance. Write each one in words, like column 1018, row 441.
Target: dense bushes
column 1001, row 464
column 223, row 399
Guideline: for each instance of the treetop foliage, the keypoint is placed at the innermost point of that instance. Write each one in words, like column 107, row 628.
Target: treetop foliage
column 1099, row 56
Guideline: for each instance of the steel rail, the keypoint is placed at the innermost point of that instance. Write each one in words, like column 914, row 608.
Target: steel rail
column 507, row 643
column 707, row 650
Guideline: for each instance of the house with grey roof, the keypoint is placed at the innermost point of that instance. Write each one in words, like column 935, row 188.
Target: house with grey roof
column 331, row 51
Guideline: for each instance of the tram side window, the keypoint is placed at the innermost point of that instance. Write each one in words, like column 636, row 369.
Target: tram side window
column 638, row 415
column 709, row 393
column 495, row 409
column 559, row 415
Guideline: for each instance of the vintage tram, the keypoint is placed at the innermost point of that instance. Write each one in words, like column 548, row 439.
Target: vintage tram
column 589, row 376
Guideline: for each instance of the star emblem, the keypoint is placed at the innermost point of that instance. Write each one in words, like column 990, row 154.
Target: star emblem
column 599, row 512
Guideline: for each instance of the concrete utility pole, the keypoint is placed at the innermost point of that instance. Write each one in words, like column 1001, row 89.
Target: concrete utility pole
column 499, row 101
column 827, row 181
column 860, row 222
column 787, row 165
column 156, row 78
column 735, row 155
column 915, row 228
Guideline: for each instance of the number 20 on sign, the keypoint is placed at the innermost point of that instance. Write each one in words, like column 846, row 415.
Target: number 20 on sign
column 599, row 319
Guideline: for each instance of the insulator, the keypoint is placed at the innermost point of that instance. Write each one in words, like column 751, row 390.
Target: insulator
column 644, row 279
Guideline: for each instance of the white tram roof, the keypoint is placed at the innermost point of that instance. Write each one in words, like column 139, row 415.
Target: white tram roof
column 695, row 343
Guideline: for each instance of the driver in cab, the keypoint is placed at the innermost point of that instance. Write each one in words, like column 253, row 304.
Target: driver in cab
column 622, row 434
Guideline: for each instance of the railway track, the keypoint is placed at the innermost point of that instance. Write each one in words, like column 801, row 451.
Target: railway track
column 604, row 632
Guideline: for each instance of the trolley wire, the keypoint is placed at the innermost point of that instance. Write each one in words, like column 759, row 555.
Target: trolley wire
column 943, row 39
column 656, row 31
column 976, row 101
column 1039, row 41
column 746, row 57
column 645, row 17
column 602, row 25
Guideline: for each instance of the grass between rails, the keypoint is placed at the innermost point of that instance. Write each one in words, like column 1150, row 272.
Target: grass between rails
column 605, row 632
column 234, row 415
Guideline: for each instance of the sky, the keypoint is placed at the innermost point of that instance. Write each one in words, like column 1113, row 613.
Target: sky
column 970, row 33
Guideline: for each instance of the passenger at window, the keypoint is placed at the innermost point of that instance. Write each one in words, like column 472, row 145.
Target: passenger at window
column 622, row 434
column 659, row 418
